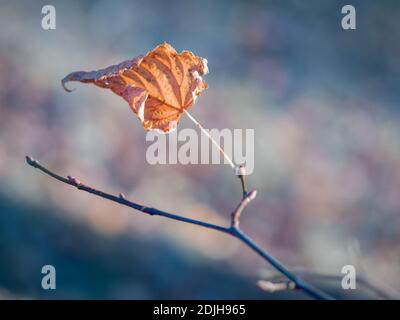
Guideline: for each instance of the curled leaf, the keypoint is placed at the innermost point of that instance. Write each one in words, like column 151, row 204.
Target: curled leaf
column 158, row 86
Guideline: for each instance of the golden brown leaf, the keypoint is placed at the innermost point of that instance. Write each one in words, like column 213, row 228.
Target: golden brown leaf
column 158, row 86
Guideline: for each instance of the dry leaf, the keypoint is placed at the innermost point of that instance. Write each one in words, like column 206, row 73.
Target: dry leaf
column 158, row 86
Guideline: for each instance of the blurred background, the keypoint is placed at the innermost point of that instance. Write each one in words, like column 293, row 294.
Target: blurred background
column 324, row 106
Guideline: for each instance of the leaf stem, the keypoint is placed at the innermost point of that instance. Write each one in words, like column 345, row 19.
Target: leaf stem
column 211, row 139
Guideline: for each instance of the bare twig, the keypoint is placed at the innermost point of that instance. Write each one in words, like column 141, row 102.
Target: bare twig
column 232, row 230
column 273, row 286
column 241, row 173
column 121, row 198
column 316, row 276
column 235, row 218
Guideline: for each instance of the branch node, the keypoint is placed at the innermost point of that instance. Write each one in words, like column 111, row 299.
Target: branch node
column 31, row 161
column 74, row 181
column 240, row 170
column 122, row 196
column 147, row 210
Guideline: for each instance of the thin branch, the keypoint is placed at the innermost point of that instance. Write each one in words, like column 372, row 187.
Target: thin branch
column 316, row 276
column 233, row 230
column 121, row 199
column 300, row 283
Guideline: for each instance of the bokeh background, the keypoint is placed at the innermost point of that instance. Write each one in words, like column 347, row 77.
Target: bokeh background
column 324, row 104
